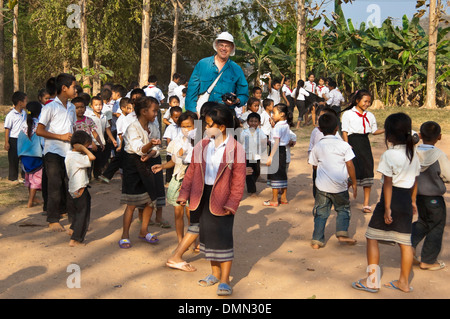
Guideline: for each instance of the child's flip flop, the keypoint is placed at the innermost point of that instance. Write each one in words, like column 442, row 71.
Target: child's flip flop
column 269, row 203
column 391, row 285
column 362, row 287
column 152, row 239
column 125, row 243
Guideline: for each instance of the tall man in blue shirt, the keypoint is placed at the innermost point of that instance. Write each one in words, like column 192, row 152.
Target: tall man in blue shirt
column 208, row 69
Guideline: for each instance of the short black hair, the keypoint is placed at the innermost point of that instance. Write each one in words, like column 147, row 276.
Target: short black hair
column 252, row 100
column 79, row 99
column 80, row 137
column 152, row 78
column 430, row 131
column 50, row 86
column 174, row 109
column 18, row 97
column 64, row 79
column 254, row 115
column 222, row 115
column 174, row 97
column 120, row 89
column 328, row 123
column 175, row 76
column 124, row 102
column 106, row 94
column 96, row 98
column 144, row 103
column 256, row 88
column 267, row 102
column 187, row 115
column 332, row 83
column 137, row 91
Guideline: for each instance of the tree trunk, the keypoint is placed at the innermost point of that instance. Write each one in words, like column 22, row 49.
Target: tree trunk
column 96, row 81
column 145, row 44
column 430, row 101
column 84, row 47
column 15, row 51
column 299, row 70
column 176, row 11
column 2, row 56
column 303, row 47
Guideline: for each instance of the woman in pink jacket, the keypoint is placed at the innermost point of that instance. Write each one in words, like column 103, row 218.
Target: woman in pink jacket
column 214, row 185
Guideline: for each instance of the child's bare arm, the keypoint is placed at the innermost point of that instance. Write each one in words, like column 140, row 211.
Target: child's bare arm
column 41, row 131
column 352, row 173
column 97, row 138
column 83, row 149
column 111, row 137
column 7, row 139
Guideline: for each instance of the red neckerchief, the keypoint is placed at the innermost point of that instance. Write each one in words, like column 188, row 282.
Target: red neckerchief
column 364, row 117
column 312, row 85
column 320, row 88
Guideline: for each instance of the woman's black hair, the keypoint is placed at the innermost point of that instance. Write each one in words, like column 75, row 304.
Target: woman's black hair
column 300, row 84
column 222, row 115
column 283, row 108
column 356, row 97
column 187, row 115
column 34, row 110
column 398, row 131
column 144, row 103
column 80, row 137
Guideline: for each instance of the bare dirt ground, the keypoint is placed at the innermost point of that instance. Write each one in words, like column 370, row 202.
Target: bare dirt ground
column 273, row 257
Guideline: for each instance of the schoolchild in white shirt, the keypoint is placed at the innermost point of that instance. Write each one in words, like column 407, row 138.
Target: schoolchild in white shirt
column 172, row 132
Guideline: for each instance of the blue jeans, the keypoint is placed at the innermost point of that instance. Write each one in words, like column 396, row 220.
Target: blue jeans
column 321, row 212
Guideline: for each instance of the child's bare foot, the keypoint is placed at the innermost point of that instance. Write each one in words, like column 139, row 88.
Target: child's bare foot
column 56, row 227
column 347, row 240
column 315, row 246
column 70, row 232
column 436, row 266
column 74, row 243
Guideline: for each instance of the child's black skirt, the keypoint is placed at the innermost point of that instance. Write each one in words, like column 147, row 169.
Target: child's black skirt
column 279, row 178
column 363, row 160
column 216, row 232
column 399, row 231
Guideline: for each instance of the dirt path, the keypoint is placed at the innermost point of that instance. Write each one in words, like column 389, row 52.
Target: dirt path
column 273, row 258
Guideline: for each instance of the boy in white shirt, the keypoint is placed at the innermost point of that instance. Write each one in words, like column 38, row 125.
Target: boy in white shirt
column 176, row 77
column 153, row 91
column 56, row 126
column 77, row 162
column 167, row 118
column 13, row 123
column 252, row 107
column 335, row 97
column 274, row 90
column 332, row 158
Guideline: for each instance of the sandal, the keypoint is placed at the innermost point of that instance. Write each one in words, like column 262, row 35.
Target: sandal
column 149, row 238
column 184, row 266
column 366, row 209
column 125, row 243
column 224, row 290
column 269, row 203
column 209, row 280
column 362, row 287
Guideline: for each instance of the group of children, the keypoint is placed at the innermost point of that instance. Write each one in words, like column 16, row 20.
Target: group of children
column 68, row 136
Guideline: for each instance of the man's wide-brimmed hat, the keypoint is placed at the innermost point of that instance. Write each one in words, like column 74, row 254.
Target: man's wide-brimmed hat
column 225, row 36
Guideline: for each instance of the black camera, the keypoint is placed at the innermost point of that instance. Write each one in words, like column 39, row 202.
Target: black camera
column 229, row 97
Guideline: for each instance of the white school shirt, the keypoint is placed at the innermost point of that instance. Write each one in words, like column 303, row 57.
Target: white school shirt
column 58, row 120
column 76, row 168
column 172, row 132
column 394, row 163
column 281, row 130
column 155, row 92
column 320, row 90
column 286, row 90
column 310, row 86
column 316, row 136
column 254, row 143
column 330, row 156
column 171, row 90
column 101, row 123
column 135, row 138
column 14, row 121
column 174, row 147
column 301, row 94
column 214, row 156
column 266, row 127
column 335, row 98
column 354, row 122
column 275, row 96
column 107, row 109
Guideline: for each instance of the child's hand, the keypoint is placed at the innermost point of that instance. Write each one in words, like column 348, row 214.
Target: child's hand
column 354, row 187
column 414, row 208
column 182, row 203
column 114, row 143
column 156, row 168
column 145, row 158
column 7, row 146
column 269, row 161
column 119, row 149
column 94, row 147
column 156, row 141
column 66, row 137
column 387, row 216
column 248, row 171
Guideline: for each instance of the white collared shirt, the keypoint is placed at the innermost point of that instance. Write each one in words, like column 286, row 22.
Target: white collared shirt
column 301, row 94
column 76, row 166
column 281, row 130
column 254, row 143
column 310, row 86
column 335, row 98
column 266, row 126
column 171, row 90
column 58, row 120
column 155, row 92
column 14, row 121
column 330, row 156
column 101, row 123
column 352, row 123
column 214, row 157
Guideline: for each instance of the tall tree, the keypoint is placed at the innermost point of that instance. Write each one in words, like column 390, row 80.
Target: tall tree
column 2, row 55
column 300, row 62
column 84, row 46
column 435, row 6
column 145, row 43
column 15, row 49
column 176, row 11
